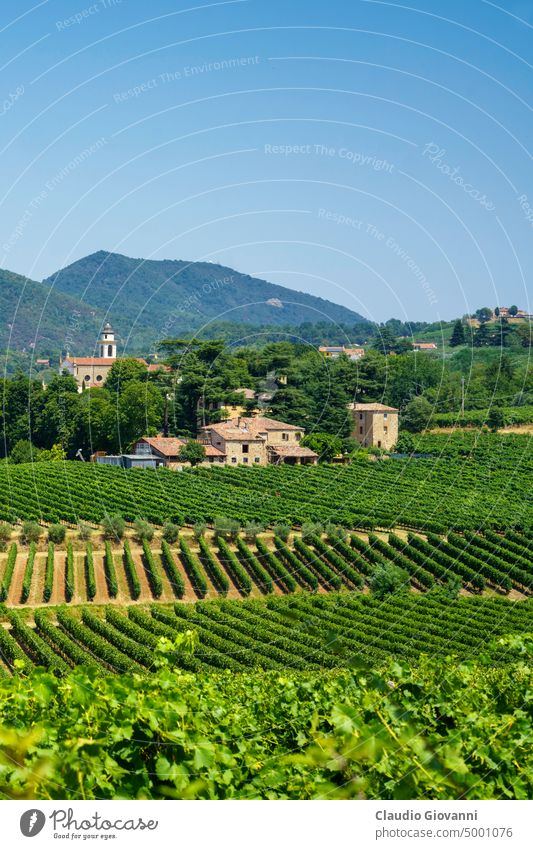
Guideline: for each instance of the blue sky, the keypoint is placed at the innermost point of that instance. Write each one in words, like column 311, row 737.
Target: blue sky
column 374, row 153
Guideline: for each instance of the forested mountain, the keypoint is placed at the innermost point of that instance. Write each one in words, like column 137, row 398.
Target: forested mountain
column 34, row 315
column 151, row 299
column 147, row 300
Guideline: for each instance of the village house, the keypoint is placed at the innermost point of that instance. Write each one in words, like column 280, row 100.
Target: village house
column 225, row 408
column 332, row 352
column 258, row 441
column 166, row 450
column 375, row 424
column 425, row 346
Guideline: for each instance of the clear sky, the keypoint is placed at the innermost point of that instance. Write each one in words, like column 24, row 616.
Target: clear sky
column 374, row 153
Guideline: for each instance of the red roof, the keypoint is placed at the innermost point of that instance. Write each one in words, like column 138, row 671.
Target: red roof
column 167, row 446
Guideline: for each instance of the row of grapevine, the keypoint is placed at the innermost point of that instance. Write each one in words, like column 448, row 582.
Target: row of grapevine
column 300, row 631
column 220, row 567
column 471, row 469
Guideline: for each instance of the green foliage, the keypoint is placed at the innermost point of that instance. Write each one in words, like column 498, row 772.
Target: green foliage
column 192, row 452
column 31, row 532
column 131, row 572
column 49, row 573
column 193, row 569
column 369, row 734
column 282, row 531
column 496, row 418
column 69, row 573
column 388, row 580
column 153, row 571
column 6, row 532
column 8, row 573
column 324, row 444
column 113, row 526
column 170, row 532
column 28, row 573
column 252, row 530
column 110, row 571
column 143, row 530
column 172, row 570
column 90, row 579
column 226, row 528
column 85, row 531
column 57, row 533
column 458, row 334
column 417, row 415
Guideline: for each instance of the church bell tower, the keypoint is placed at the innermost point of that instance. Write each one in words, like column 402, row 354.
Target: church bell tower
column 107, row 346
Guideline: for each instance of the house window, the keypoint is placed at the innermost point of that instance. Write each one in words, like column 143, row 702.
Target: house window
column 379, row 443
column 298, row 436
column 87, row 378
column 233, row 459
column 360, row 417
column 385, row 415
column 245, row 459
column 385, row 429
column 361, row 429
column 98, row 377
column 257, row 459
column 285, row 437
column 245, row 448
column 109, row 350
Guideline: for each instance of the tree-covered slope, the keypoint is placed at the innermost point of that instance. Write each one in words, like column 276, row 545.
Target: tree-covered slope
column 34, row 315
column 153, row 298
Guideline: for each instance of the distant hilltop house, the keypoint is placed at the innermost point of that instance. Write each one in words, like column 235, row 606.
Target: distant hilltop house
column 258, row 441
column 503, row 312
column 334, row 351
column 375, row 424
column 90, row 372
column 424, row 346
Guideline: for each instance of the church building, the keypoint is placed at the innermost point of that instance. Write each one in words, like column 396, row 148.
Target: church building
column 92, row 371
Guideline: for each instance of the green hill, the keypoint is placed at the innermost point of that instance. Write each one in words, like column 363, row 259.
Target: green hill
column 153, row 299
column 37, row 317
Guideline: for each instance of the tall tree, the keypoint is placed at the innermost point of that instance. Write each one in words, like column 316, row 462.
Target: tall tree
column 458, row 334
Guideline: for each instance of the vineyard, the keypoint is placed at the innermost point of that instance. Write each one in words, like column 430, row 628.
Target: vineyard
column 302, row 632
column 193, row 569
column 468, row 481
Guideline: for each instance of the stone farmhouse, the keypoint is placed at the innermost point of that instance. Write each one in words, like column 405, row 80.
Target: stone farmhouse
column 375, row 424
column 258, row 441
column 165, row 450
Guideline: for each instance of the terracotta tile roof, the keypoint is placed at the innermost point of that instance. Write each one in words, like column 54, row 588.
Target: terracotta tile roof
column 211, row 451
column 167, row 446
column 292, row 451
column 90, row 361
column 379, row 408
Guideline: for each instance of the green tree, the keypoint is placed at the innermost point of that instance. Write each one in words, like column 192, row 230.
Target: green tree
column 325, row 445
column 138, row 411
column 24, row 452
column 458, row 334
column 291, row 405
column 387, row 580
column 484, row 314
column 482, row 337
column 417, row 415
column 192, row 452
column 113, row 526
column 122, row 372
column 513, row 310
column 496, row 418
